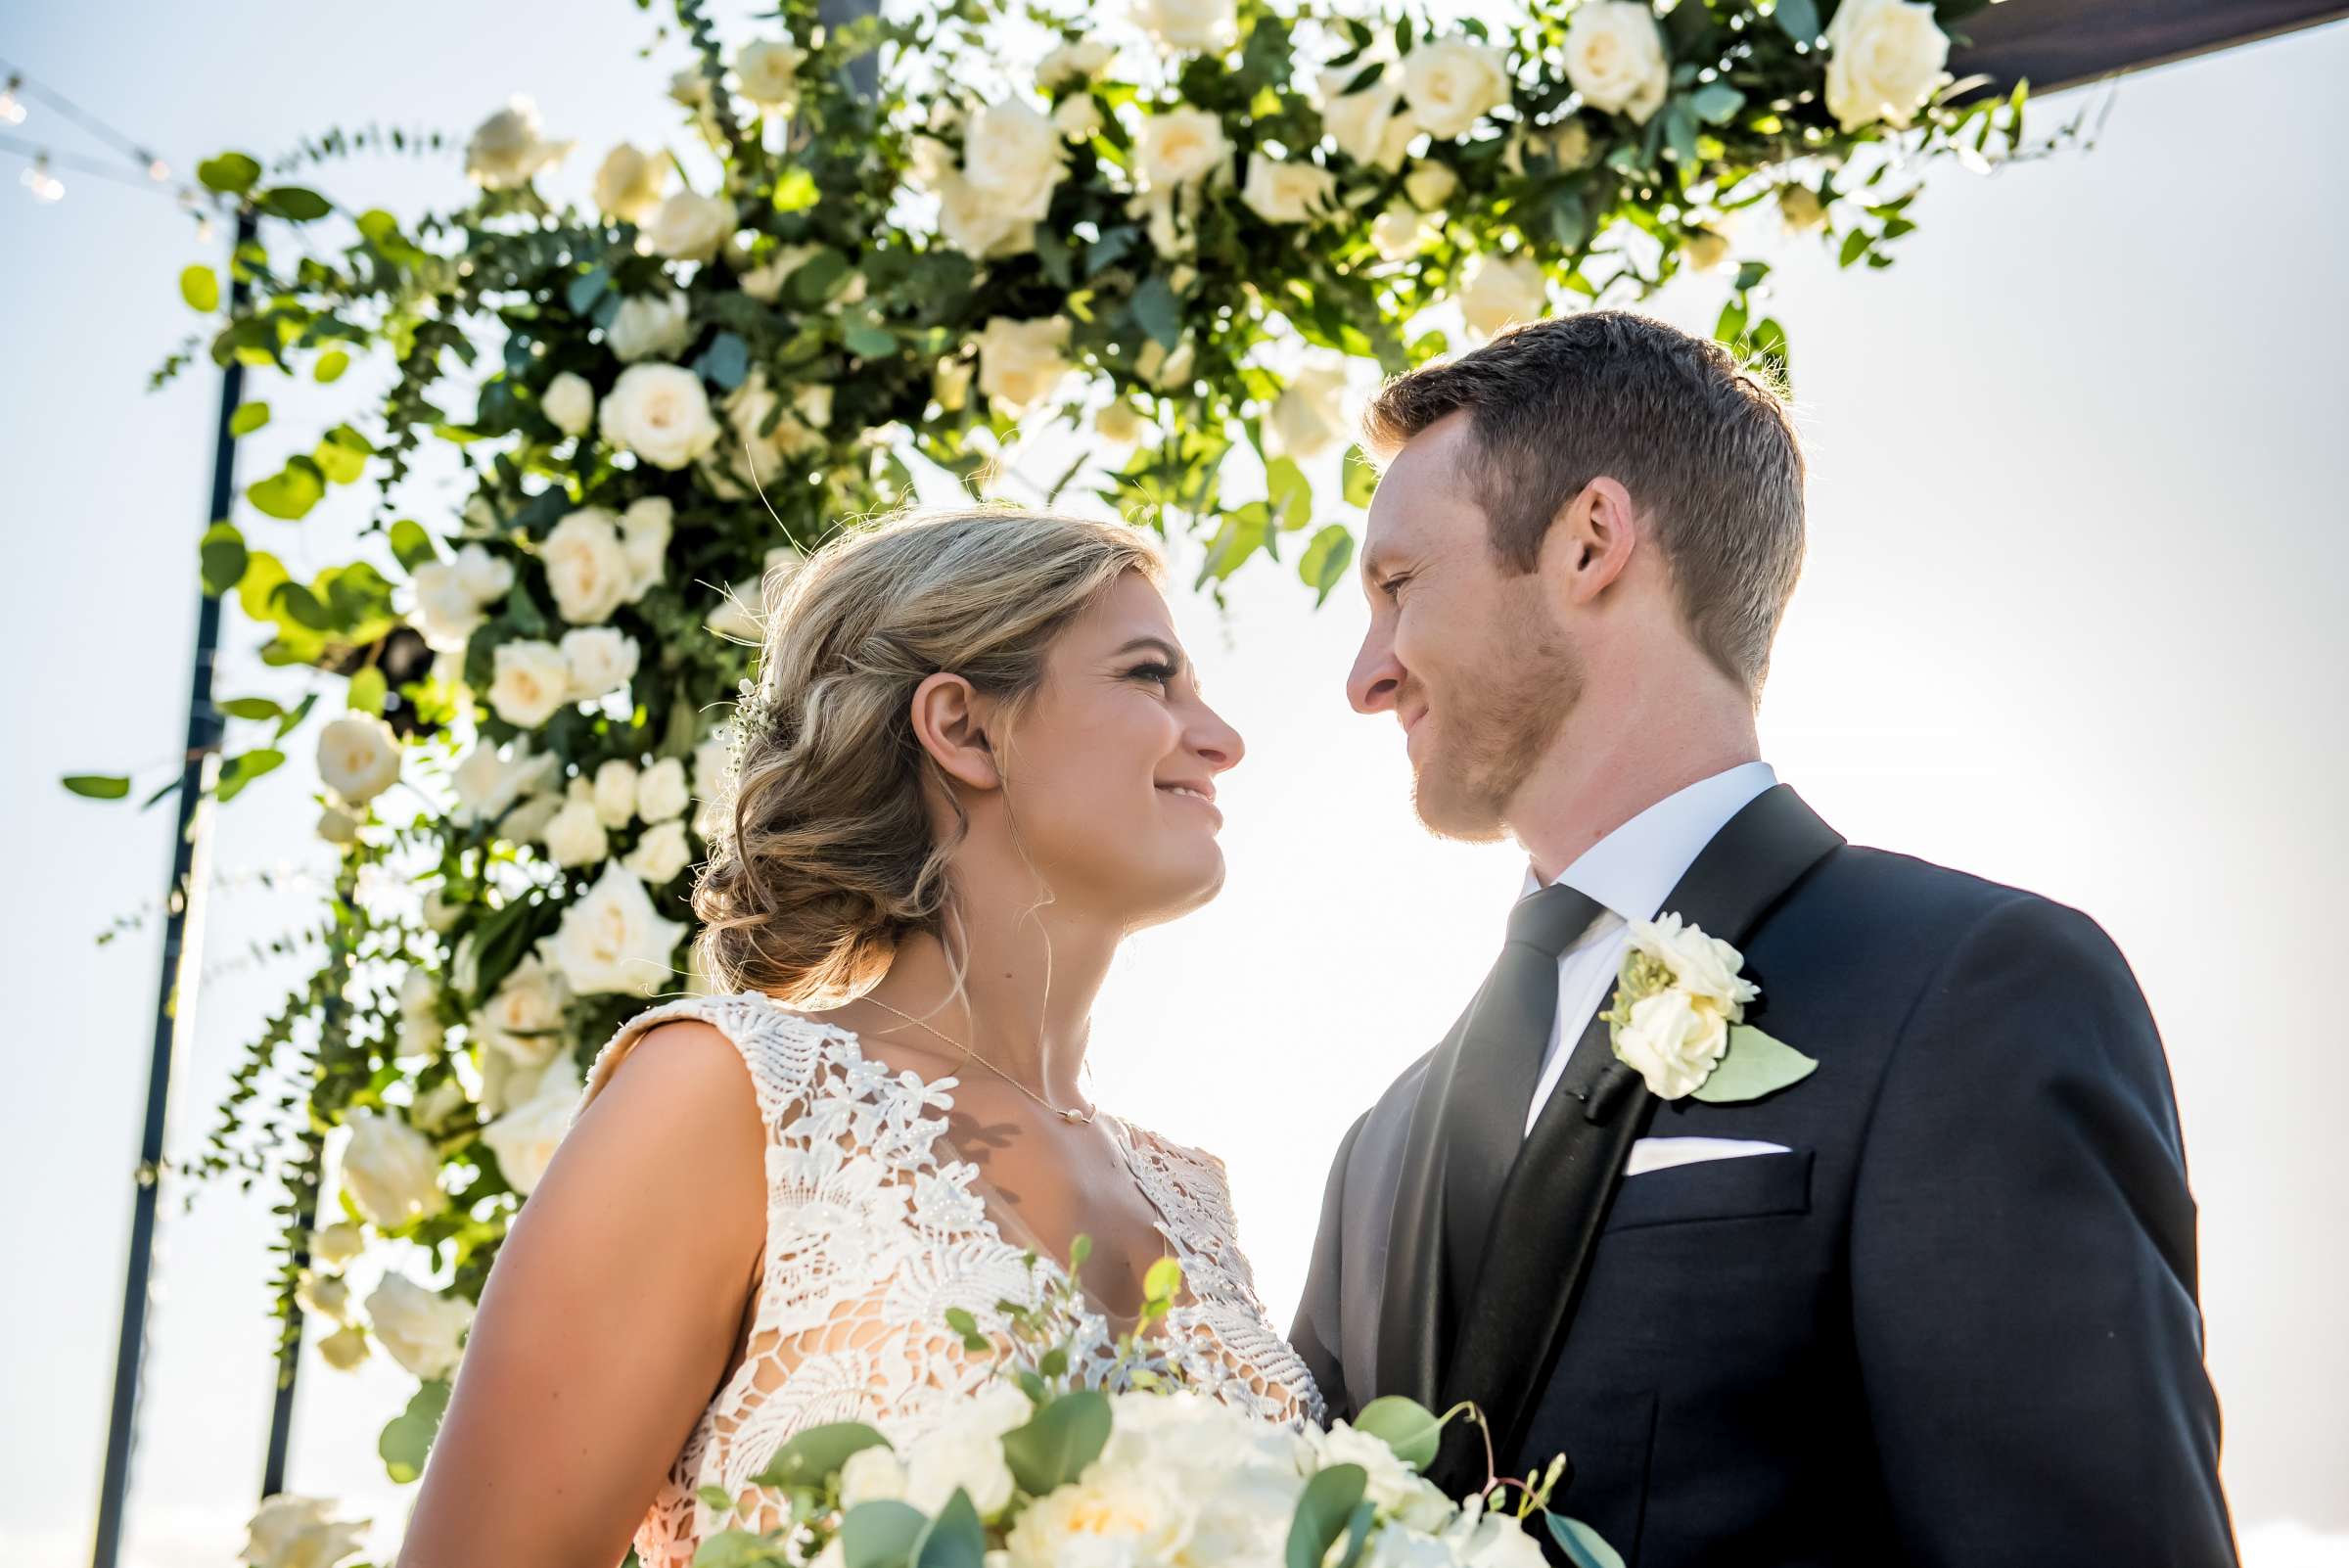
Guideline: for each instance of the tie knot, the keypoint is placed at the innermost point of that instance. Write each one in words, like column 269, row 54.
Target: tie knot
column 1553, row 918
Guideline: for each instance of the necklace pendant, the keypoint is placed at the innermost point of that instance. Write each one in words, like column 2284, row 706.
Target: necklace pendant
column 1072, row 1116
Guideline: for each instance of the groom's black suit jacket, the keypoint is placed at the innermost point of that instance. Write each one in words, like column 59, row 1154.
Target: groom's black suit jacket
column 1956, row 1325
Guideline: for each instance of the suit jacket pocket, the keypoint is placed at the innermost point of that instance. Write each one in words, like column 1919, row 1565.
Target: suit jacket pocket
column 1746, row 1187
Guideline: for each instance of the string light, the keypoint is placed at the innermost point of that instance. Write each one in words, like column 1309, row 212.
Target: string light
column 41, row 178
column 44, row 186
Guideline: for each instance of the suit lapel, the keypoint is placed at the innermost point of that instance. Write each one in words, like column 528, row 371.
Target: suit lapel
column 1412, row 1332
column 1556, row 1200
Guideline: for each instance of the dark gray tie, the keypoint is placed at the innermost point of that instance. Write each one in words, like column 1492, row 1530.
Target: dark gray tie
column 1500, row 1064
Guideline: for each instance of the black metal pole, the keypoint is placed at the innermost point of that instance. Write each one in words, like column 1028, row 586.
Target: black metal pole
column 174, row 1001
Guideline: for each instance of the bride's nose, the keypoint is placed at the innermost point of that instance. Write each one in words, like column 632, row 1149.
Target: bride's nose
column 1215, row 741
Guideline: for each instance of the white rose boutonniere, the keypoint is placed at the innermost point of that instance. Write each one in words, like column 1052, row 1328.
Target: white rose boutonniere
column 1679, row 1019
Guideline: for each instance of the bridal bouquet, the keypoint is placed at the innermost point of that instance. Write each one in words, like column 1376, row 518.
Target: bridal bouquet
column 1039, row 1470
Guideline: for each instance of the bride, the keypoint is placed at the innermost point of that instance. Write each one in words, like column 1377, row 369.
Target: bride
column 976, row 760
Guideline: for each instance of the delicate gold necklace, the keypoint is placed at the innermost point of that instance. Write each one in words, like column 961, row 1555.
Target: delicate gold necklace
column 1084, row 1118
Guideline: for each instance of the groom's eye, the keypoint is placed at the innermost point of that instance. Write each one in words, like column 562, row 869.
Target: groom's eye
column 1393, row 586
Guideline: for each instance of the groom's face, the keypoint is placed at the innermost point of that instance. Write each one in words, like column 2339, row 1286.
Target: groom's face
column 1465, row 654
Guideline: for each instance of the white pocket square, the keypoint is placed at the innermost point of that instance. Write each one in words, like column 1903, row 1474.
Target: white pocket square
column 1662, row 1154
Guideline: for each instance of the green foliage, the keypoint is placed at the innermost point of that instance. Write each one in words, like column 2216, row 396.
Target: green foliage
column 97, row 786
column 231, row 173
column 1755, row 1063
column 408, row 1438
column 1326, row 1510
column 200, row 287
column 1582, row 1546
column 1405, row 1425
column 1063, row 1436
column 818, row 1451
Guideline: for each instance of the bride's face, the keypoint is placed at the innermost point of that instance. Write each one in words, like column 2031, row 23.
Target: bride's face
column 1109, row 777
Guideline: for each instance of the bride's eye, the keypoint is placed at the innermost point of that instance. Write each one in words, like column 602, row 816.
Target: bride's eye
column 1162, row 674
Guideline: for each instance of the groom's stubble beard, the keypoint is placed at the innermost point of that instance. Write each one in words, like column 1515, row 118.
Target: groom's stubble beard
column 1495, row 729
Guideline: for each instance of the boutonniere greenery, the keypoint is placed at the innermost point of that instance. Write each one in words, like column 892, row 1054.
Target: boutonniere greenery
column 1679, row 1019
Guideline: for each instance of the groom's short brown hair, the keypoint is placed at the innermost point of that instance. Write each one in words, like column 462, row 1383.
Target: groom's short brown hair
column 1702, row 443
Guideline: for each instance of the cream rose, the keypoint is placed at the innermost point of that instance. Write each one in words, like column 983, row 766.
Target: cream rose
column 1162, row 369
column 422, row 1329
column 661, row 413
column 391, row 1171
column 965, row 1451
column 488, row 578
column 1398, row 233
column 569, row 403
column 1179, row 146
column 1401, row 1493
column 585, row 568
column 344, row 1348
column 1288, row 191
column 1615, row 58
column 324, row 1296
column 1013, row 155
column 1885, row 59
column 613, row 940
column 436, row 1106
column 1077, row 118
column 1454, row 83
column 1430, row 186
column 629, row 183
column 338, row 1244
column 660, row 791
column 1020, row 362
column 525, row 1138
column 1673, row 1043
column 489, row 779
column 576, row 838
column 1370, row 127
column 522, row 1020
column 764, row 282
column 1704, row 966
column 645, row 528
column 872, row 1475
column 689, row 227
column 1077, row 60
column 977, row 224
column 649, row 326
column 768, row 72
column 1104, row 1516
column 447, row 615
column 358, row 758
column 421, row 1031
column 510, row 146
column 615, row 791
column 1500, row 290
column 1118, row 423
column 295, row 1532
column 1190, row 26
column 660, row 854
column 601, row 659
column 1308, row 417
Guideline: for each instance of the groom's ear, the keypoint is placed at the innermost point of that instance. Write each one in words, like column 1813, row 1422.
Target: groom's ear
column 1590, row 542
column 949, row 720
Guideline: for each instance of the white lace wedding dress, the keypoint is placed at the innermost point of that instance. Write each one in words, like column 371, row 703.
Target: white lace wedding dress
column 874, row 1229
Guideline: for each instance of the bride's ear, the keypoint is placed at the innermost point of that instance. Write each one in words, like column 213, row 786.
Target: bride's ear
column 949, row 720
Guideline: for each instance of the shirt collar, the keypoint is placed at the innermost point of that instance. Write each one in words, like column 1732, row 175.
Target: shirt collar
column 1634, row 869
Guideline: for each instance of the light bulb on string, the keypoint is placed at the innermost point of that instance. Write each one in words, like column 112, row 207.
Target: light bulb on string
column 44, row 186
column 12, row 108
column 157, row 169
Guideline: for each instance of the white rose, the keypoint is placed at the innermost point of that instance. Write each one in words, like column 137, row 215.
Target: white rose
column 531, row 682
column 645, row 528
column 813, row 400
column 1671, row 1042
column 525, row 1138
column 488, row 578
column 662, row 791
column 509, row 146
column 977, row 224
column 323, row 1295
column 1500, row 290
column 1078, row 60
column 1179, row 146
column 965, row 1450
column 421, row 1031
column 338, row 1244
column 1288, row 191
column 1430, row 186
column 1370, row 127
column 661, row 413
column 527, row 823
column 1194, row 27
column 1615, row 58
column 1393, row 1546
column 688, row 226
column 569, row 403
column 1706, row 967
column 338, row 827
column 1399, row 1492
column 1885, row 59
column 1495, row 1541
column 435, row 1107
column 649, row 326
column 1308, row 417
column 523, row 1021
column 344, row 1348
column 585, row 567
column 1123, row 1516
column 1454, row 83
column 489, row 780
column 601, row 659
column 615, row 792
column 765, row 282
column 1398, row 233
column 1020, row 362
column 1240, row 1476
column 295, row 1532
column 689, row 88
column 1800, row 208
column 1118, row 423
column 1160, row 369
column 391, row 1171
column 422, row 1329
column 576, row 837
column 613, row 940
column 1706, row 248
column 951, row 385
column 768, row 72
column 358, row 758
column 660, row 854
column 447, row 612
column 1078, row 118
column 1014, row 155
column 872, row 1475
column 629, row 183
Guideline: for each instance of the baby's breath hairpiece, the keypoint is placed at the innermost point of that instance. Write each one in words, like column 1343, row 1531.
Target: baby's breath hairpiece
column 754, row 715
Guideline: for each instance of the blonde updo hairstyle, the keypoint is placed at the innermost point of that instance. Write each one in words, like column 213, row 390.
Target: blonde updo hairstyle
column 827, row 859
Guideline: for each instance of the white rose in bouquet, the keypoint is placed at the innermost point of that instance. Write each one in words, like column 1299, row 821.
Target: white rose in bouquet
column 768, row 72
column 569, row 403
column 1077, row 60
column 1104, row 1516
column 1021, row 362
column 649, row 326
column 1400, row 1492
column 510, row 146
column 1287, row 190
column 1179, row 146
column 965, row 1451
column 1615, row 58
column 662, row 791
column 522, row 1020
column 1452, row 83
column 872, row 1475
column 1370, row 127
column 1308, row 417
column 358, row 758
column 613, row 940
column 295, row 1532
column 1241, row 1477
column 1190, row 26
column 689, row 227
column 660, row 854
column 661, row 413
column 1500, row 290
column 586, row 570
column 525, row 1138
column 575, row 836
column 601, row 659
column 1885, row 57
column 529, row 684
column 629, row 183
column 490, row 780
column 421, row 1329
column 391, row 1171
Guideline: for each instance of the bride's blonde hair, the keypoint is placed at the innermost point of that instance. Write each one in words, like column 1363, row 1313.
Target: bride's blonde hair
column 826, row 858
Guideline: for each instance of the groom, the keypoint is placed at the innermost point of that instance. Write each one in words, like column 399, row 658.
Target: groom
column 1933, row 1303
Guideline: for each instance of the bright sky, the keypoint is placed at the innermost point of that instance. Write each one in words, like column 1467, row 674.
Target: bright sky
column 2074, row 620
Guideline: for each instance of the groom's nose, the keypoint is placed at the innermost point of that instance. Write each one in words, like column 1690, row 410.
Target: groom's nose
column 1376, row 676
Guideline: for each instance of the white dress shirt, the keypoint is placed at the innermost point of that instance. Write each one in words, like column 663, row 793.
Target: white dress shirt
column 1630, row 872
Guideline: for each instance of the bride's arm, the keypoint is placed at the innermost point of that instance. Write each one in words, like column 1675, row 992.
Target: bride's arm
column 608, row 1320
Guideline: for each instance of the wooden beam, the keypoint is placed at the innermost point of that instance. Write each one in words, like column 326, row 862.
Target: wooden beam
column 2062, row 43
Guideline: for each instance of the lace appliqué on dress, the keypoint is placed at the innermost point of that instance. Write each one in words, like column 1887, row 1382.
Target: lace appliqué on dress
column 871, row 1237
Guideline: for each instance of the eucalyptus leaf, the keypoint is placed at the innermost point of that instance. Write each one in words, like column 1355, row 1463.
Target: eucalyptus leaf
column 955, row 1539
column 881, row 1533
column 1798, row 20
column 1324, row 1511
column 818, row 1451
column 1058, row 1442
column 1584, row 1547
column 290, row 492
column 1408, row 1427
column 412, row 545
column 1754, row 1065
column 408, row 1438
column 222, row 557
